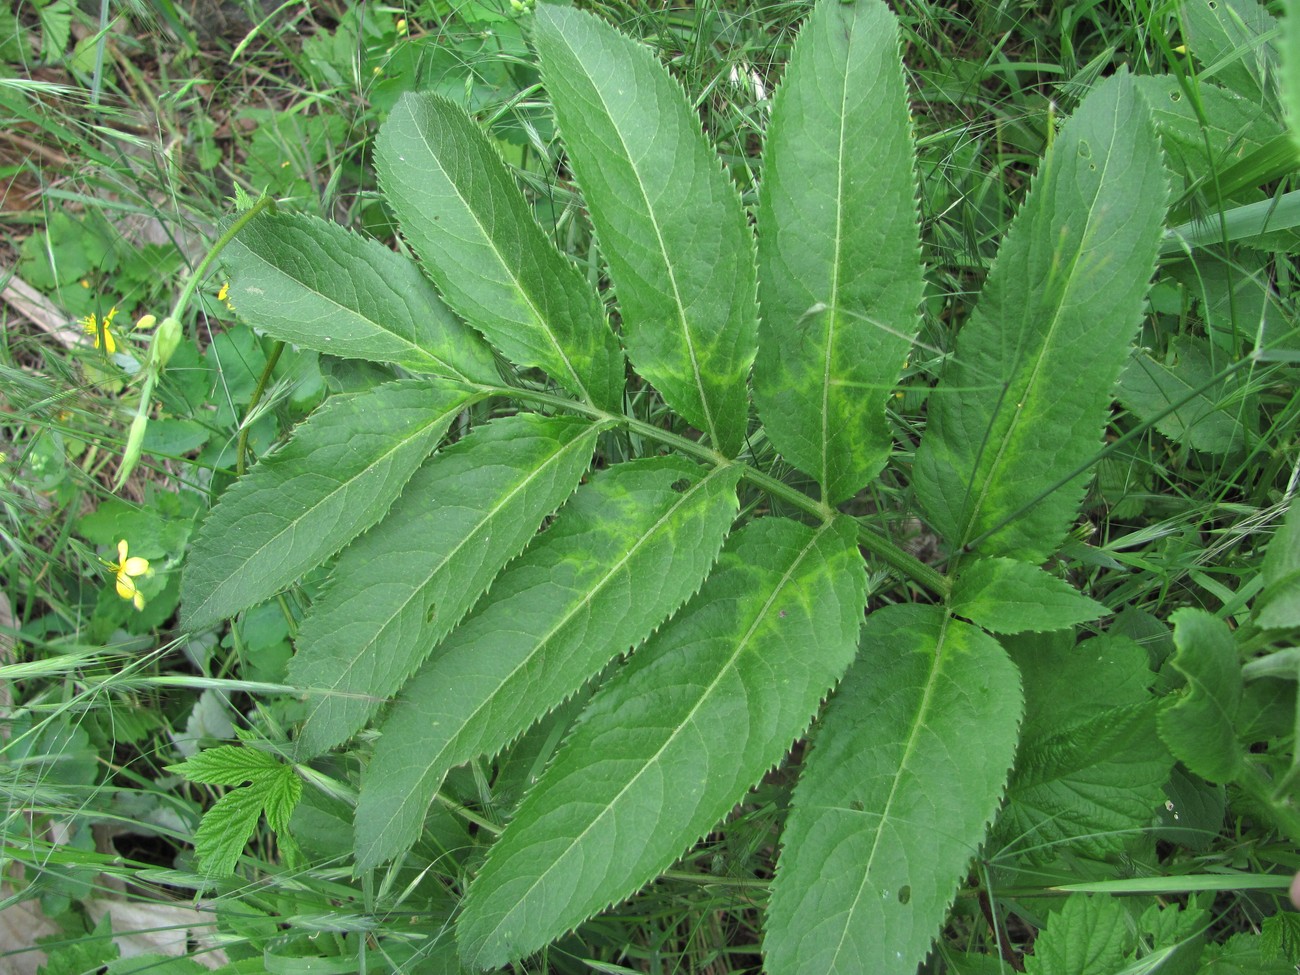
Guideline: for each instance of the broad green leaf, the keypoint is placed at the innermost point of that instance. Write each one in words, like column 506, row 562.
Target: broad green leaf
column 838, row 245
column 319, row 286
column 622, row 555
column 1234, row 41
column 463, row 214
column 671, row 743
column 1091, row 768
column 1214, row 416
column 670, row 223
column 1025, row 397
column 1278, row 605
column 1199, row 725
column 1090, row 935
column 905, row 776
column 1006, row 596
column 334, row 479
column 1228, row 128
column 400, row 588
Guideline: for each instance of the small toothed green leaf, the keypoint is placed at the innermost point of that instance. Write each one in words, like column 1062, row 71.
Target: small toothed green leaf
column 1006, row 596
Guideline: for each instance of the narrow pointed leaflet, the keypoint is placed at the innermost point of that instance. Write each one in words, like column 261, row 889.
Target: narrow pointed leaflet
column 322, row 287
column 622, row 555
column 464, row 514
column 335, row 478
column 672, row 742
column 895, row 797
column 464, row 216
column 669, row 220
column 839, row 247
column 1025, row 397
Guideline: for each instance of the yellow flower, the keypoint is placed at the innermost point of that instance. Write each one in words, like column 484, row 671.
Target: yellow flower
column 223, row 296
column 101, row 331
column 127, row 569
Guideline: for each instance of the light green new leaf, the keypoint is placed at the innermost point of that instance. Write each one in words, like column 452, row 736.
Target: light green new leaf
column 464, row 216
column 1025, row 398
column 400, row 588
column 1278, row 606
column 1199, row 725
column 672, row 742
column 905, row 776
column 1216, row 418
column 670, row 223
column 838, row 246
column 1091, row 769
column 227, row 765
column 319, row 286
column 623, row 554
column 1090, row 935
column 1234, row 41
column 226, row 829
column 1006, row 596
column 334, row 479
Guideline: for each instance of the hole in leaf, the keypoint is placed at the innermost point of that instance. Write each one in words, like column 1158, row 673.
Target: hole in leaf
column 904, row 893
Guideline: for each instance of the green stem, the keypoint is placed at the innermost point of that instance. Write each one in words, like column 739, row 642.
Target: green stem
column 241, row 448
column 201, row 271
column 871, row 540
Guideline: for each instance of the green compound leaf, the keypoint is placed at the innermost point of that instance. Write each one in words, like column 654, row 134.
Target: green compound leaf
column 666, row 748
column 403, row 586
column 840, row 290
column 905, row 777
column 1089, row 935
column 670, row 222
column 334, row 479
column 1091, row 769
column 1216, row 418
column 463, row 214
column 1006, row 596
column 622, row 555
column 1199, row 726
column 1025, row 399
column 319, row 286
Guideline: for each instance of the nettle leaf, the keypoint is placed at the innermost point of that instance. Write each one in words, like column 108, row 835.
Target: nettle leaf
column 1026, row 395
column 622, row 555
column 672, row 742
column 334, row 479
column 463, row 214
column 1199, row 726
column 1091, row 769
column 670, row 222
column 319, row 286
column 839, row 247
column 1217, row 418
column 1278, row 605
column 1089, row 935
column 403, row 586
column 906, row 774
column 1006, row 596
column 227, row 765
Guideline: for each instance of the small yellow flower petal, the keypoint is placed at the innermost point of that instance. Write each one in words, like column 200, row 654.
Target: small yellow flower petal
column 125, row 587
column 146, row 322
column 224, row 293
column 135, row 566
column 138, row 600
column 121, row 551
column 126, row 568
